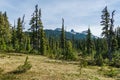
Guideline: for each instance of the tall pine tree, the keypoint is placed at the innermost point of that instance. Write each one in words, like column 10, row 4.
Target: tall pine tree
column 106, row 23
column 108, row 32
column 38, row 35
column 62, row 38
column 89, row 42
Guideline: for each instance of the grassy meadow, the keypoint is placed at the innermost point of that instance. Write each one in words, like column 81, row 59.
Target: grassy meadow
column 44, row 68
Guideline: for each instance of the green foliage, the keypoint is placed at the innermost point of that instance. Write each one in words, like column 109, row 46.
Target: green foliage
column 42, row 42
column 89, row 44
column 105, row 21
column 117, row 34
column 83, row 63
column 114, row 45
column 33, row 51
column 28, row 46
column 23, row 68
column 106, row 61
column 63, row 36
column 99, row 60
column 108, row 31
column 13, row 38
column 10, row 48
column 37, row 33
column 55, row 54
column 116, row 59
column 2, row 44
column 111, row 73
column 91, row 62
column 17, row 46
column 69, row 54
column 5, row 35
column 8, row 77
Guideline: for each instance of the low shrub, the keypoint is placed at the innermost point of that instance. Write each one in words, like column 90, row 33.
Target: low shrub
column 8, row 77
column 91, row 62
column 83, row 63
column 99, row 60
column 23, row 68
column 33, row 51
column 116, row 60
column 112, row 73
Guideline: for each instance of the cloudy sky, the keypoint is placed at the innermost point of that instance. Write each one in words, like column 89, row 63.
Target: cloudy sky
column 78, row 14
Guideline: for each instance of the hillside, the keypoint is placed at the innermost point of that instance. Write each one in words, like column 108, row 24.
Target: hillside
column 69, row 34
column 44, row 68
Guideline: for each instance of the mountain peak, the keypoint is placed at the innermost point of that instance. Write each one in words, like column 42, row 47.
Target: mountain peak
column 85, row 32
column 58, row 29
column 69, row 34
column 72, row 31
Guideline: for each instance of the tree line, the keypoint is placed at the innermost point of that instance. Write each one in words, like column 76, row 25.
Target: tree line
column 105, row 50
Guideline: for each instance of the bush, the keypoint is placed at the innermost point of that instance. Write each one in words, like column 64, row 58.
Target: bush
column 116, row 59
column 68, row 52
column 54, row 54
column 23, row 68
column 83, row 63
column 106, row 61
column 111, row 73
column 99, row 60
column 91, row 62
column 34, row 51
column 10, row 49
column 8, row 77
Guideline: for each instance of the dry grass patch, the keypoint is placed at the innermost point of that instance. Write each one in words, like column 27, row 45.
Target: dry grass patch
column 44, row 68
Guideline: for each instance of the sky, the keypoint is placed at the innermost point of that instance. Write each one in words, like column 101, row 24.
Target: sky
column 78, row 14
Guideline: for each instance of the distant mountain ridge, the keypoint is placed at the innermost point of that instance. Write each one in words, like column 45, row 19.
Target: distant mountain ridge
column 69, row 34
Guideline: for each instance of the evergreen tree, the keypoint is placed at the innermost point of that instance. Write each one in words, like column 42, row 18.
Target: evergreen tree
column 113, row 41
column 41, row 37
column 28, row 46
column 34, row 28
column 69, row 55
column 114, row 44
column 105, row 22
column 73, row 40
column 5, row 34
column 13, row 40
column 42, row 42
column 7, row 29
column 98, row 46
column 63, row 38
column 1, row 30
column 83, row 46
column 108, row 29
column 33, row 37
column 89, row 43
column 38, row 35
column 117, row 34
column 19, row 32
